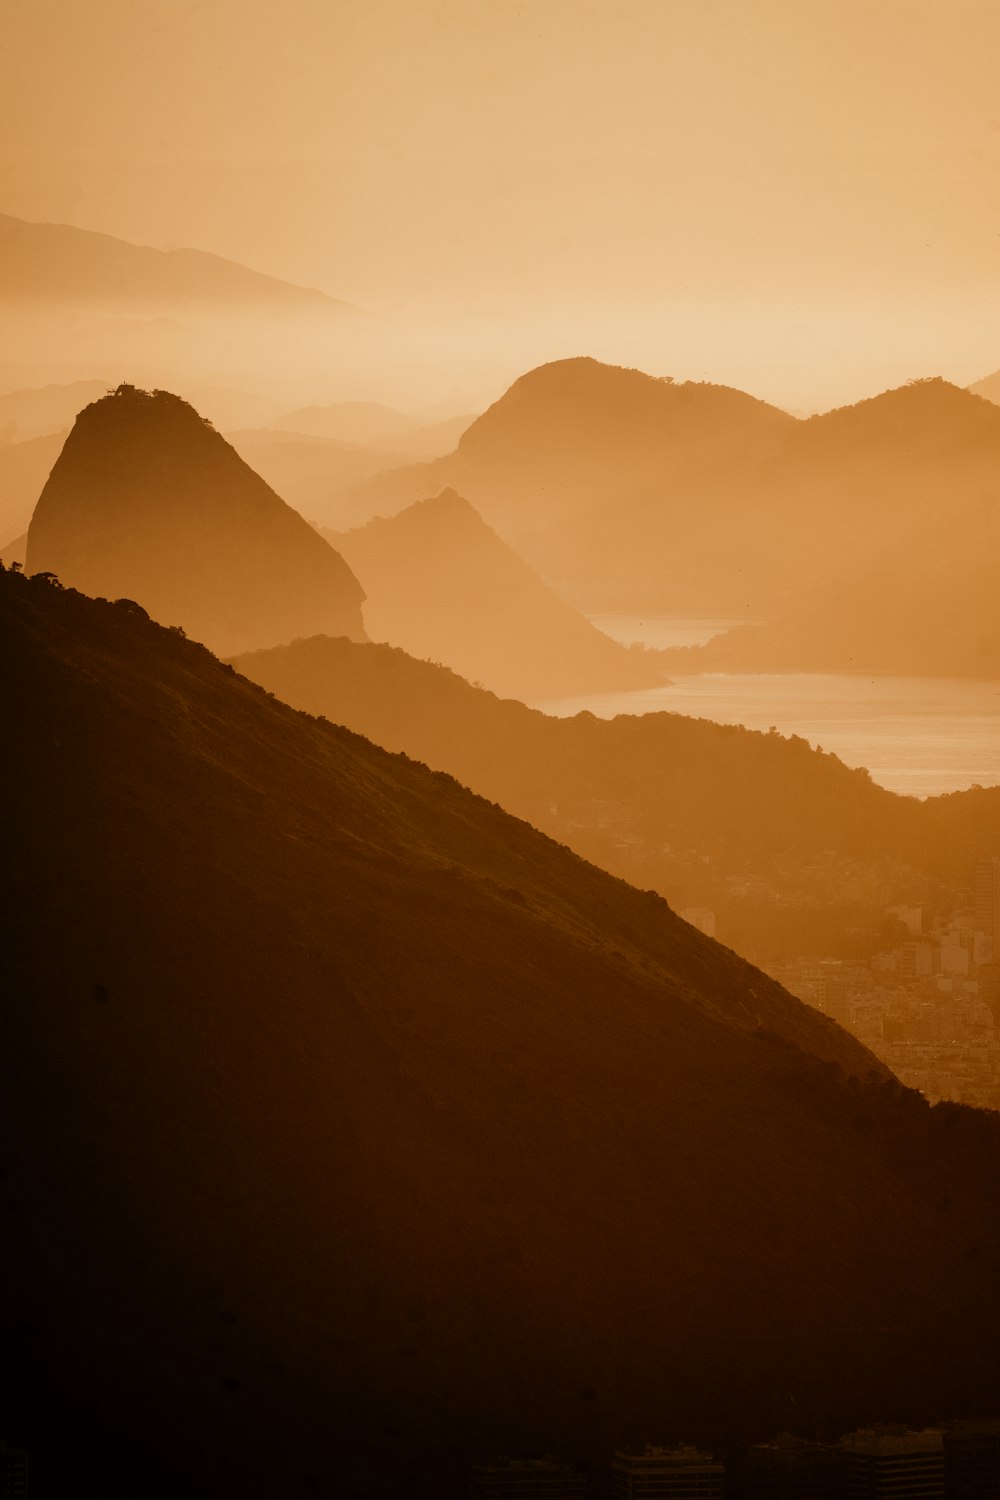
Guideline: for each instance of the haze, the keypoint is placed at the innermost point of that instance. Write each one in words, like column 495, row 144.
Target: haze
column 798, row 200
column 500, row 876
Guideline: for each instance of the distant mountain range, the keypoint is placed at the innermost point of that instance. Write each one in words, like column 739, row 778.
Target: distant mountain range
column 794, row 852
column 376, row 425
column 988, row 387
column 311, row 473
column 845, row 531
column 349, row 1121
column 442, row 584
column 24, row 468
column 148, row 502
column 77, row 304
column 58, row 263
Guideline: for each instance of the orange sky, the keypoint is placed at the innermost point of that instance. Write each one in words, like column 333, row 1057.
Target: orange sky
column 800, row 196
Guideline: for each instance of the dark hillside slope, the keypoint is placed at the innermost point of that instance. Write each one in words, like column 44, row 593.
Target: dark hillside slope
column 683, row 805
column 146, row 500
column 351, row 1127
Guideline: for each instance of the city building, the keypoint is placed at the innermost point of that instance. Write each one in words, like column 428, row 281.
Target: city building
column 790, row 1468
column 700, row 917
column 666, row 1474
column 13, row 1473
column 989, row 989
column 547, row 1478
column 895, row 1462
column 834, row 995
column 987, row 902
column 972, row 1460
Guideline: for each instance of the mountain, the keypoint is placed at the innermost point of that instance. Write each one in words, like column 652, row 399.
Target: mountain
column 633, row 494
column 15, row 551
column 794, row 852
column 30, row 414
column 434, row 438
column 441, row 583
column 348, row 422
column 147, row 501
column 353, row 1129
column 893, row 549
column 918, row 620
column 58, row 263
column 988, row 387
column 569, row 437
column 395, row 434
column 572, row 435
column 24, row 468
column 310, row 473
column 76, row 304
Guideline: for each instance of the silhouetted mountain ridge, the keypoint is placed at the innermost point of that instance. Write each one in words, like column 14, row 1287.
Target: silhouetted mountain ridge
column 59, row 263
column 146, row 500
column 684, row 805
column 360, row 1128
column 442, row 584
column 631, row 493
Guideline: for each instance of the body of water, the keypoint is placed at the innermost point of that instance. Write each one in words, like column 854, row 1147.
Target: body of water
column 916, row 735
column 663, row 630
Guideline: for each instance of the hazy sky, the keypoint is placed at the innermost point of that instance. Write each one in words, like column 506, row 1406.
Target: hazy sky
column 759, row 189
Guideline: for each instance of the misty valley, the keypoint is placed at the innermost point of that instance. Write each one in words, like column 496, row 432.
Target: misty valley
column 501, row 959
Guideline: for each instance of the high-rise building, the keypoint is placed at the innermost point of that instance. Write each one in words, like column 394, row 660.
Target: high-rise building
column 13, row 1473
column 834, row 995
column 987, row 905
column 989, row 989
column 547, row 1478
column 894, row 1463
column 972, row 1460
column 700, row 917
column 666, row 1474
column 790, row 1468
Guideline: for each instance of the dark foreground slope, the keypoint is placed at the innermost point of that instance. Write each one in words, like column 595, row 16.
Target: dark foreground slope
column 695, row 809
column 351, row 1127
column 146, row 500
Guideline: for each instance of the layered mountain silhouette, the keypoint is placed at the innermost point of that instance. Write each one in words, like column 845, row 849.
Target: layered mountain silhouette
column 59, row 263
column 353, row 1128
column 24, row 468
column 988, row 387
column 633, row 493
column 320, row 474
column 146, row 501
column 77, row 303
column 793, row 851
column 380, row 427
column 575, row 436
column 30, row 414
column 919, row 621
column 440, row 583
column 310, row 473
column 903, row 517
column 349, row 422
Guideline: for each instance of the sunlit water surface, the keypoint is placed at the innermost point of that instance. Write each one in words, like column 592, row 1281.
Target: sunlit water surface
column 918, row 735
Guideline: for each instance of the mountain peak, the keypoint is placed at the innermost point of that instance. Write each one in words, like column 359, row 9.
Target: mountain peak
column 147, row 501
column 928, row 411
